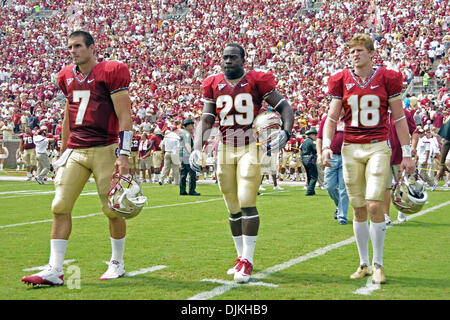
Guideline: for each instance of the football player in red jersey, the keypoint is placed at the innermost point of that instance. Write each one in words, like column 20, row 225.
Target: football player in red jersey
column 97, row 113
column 236, row 96
column 134, row 156
column 28, row 148
column 287, row 157
column 366, row 93
column 155, row 141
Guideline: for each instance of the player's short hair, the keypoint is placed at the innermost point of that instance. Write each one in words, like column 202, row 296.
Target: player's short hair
column 241, row 50
column 87, row 37
column 361, row 39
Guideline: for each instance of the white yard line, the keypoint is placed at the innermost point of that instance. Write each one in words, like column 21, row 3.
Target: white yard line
column 145, row 208
column 316, row 253
column 144, row 270
column 368, row 288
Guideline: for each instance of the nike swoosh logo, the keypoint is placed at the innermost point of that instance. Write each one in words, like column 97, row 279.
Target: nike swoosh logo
column 374, row 87
column 89, row 81
column 244, row 84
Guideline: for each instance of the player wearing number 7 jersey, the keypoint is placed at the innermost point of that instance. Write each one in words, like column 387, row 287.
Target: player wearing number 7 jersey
column 236, row 97
column 98, row 111
column 366, row 93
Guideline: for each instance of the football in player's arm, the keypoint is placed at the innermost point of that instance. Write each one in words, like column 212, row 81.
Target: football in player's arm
column 236, row 97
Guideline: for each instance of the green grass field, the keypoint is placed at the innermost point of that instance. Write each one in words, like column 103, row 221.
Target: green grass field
column 301, row 253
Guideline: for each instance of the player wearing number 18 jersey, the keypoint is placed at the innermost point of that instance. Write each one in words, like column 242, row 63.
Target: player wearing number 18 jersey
column 98, row 111
column 236, row 97
column 365, row 93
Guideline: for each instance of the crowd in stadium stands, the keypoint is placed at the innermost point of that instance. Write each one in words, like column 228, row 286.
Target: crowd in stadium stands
column 170, row 46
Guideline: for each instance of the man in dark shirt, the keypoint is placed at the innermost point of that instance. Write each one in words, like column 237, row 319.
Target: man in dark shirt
column 186, row 145
column 309, row 157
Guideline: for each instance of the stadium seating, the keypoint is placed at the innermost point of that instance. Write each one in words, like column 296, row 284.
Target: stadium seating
column 171, row 45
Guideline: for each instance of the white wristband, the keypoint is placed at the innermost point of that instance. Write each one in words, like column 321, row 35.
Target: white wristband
column 326, row 143
column 406, row 151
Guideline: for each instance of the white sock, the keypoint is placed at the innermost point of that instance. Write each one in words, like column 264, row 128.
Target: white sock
column 249, row 247
column 238, row 243
column 57, row 253
column 118, row 247
column 377, row 235
column 361, row 231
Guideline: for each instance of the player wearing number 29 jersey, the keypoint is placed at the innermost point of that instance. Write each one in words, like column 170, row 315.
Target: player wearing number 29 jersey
column 235, row 98
column 366, row 103
column 237, row 104
column 92, row 119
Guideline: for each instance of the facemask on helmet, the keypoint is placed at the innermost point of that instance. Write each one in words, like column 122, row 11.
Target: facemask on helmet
column 125, row 198
column 410, row 193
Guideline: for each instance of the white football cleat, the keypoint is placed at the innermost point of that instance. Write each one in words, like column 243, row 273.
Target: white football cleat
column 115, row 270
column 387, row 219
column 235, row 267
column 278, row 188
column 50, row 276
column 244, row 272
column 401, row 217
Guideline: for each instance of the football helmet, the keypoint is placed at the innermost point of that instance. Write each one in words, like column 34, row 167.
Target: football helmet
column 264, row 127
column 410, row 193
column 125, row 198
column 195, row 160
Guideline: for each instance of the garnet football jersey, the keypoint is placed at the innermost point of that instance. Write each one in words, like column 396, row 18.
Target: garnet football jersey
column 27, row 140
column 288, row 147
column 92, row 119
column 366, row 104
column 238, row 104
column 156, row 142
column 135, row 143
column 58, row 143
column 297, row 144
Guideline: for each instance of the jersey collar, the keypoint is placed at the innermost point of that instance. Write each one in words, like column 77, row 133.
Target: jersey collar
column 357, row 79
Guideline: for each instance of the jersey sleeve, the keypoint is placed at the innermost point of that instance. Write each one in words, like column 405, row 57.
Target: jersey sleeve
column 62, row 82
column 336, row 85
column 207, row 90
column 322, row 124
column 117, row 76
column 265, row 82
column 393, row 84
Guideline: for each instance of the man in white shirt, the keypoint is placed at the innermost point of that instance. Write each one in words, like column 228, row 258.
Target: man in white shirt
column 424, row 156
column 433, row 160
column 43, row 161
column 170, row 147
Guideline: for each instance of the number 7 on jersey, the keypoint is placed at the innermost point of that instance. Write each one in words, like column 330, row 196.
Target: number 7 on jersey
column 81, row 96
